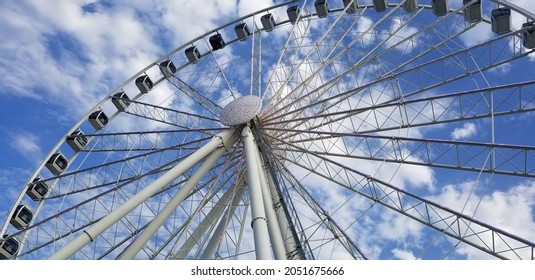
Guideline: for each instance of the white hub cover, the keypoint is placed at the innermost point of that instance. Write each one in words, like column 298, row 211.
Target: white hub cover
column 241, row 110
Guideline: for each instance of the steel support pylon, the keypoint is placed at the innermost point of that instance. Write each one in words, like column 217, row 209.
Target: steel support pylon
column 113, row 217
column 259, row 220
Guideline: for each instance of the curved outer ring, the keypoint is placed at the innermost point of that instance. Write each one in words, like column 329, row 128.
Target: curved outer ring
column 57, row 147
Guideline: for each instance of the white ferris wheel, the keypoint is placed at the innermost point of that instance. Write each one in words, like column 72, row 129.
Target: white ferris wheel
column 296, row 132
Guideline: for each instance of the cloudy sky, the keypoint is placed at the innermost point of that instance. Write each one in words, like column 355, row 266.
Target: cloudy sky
column 59, row 58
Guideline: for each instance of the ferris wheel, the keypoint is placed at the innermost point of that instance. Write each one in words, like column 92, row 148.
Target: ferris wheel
column 302, row 131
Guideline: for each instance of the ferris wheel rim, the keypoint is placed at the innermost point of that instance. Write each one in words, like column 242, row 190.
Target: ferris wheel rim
column 76, row 126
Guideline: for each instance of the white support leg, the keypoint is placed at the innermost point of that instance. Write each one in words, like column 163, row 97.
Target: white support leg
column 164, row 214
column 279, row 251
column 286, row 232
column 259, row 221
column 216, row 236
column 213, row 216
column 113, row 217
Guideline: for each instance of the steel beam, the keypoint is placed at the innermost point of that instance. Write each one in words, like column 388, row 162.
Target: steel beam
column 113, row 217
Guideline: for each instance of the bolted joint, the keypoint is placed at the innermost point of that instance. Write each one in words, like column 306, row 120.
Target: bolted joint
column 246, row 132
column 256, row 219
column 226, row 139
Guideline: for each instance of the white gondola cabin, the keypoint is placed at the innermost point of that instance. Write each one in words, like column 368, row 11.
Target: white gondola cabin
column 77, row 140
column 322, row 9
column 293, row 13
column 193, row 54
column 472, row 13
column 268, row 22
column 22, row 217
column 9, row 246
column 98, row 119
column 242, row 31
column 353, row 6
column 440, row 7
column 144, row 83
column 37, row 189
column 167, row 67
column 121, row 101
column 57, row 163
column 501, row 20
column 410, row 6
column 528, row 35
column 380, row 5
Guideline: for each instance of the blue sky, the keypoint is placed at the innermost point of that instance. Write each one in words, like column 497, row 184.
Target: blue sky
column 57, row 61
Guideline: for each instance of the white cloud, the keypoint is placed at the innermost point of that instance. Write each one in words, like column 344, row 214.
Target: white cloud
column 187, row 19
column 510, row 210
column 364, row 24
column 78, row 55
column 518, row 20
column 11, row 181
column 69, row 52
column 478, row 34
column 399, row 228
column 403, row 254
column 246, row 7
column 503, row 69
column 404, row 32
column 27, row 144
column 468, row 130
column 93, row 51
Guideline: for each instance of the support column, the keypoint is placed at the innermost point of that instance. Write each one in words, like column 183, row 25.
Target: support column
column 113, row 217
column 217, row 235
column 286, row 232
column 164, row 214
column 279, row 251
column 259, row 221
column 212, row 217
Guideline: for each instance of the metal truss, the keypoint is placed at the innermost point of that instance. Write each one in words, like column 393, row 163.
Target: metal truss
column 305, row 72
column 463, row 106
column 296, row 241
column 256, row 61
column 113, row 171
column 289, row 55
column 78, row 212
column 170, row 116
column 468, row 230
column 198, row 97
column 142, row 141
column 324, row 218
column 468, row 156
column 200, row 235
column 429, row 75
column 77, row 217
column 440, row 33
column 154, row 253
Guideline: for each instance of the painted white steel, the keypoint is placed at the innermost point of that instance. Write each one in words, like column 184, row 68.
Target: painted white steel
column 113, row 217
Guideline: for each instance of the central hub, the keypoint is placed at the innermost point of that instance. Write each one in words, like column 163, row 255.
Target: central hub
column 241, row 110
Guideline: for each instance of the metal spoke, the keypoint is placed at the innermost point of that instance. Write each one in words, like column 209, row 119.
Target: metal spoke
column 468, row 156
column 484, row 237
column 322, row 53
column 202, row 100
column 358, row 130
column 508, row 99
column 420, row 78
column 390, row 53
column 114, row 171
column 76, row 218
column 170, row 116
column 137, row 141
column 325, row 218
